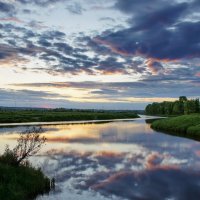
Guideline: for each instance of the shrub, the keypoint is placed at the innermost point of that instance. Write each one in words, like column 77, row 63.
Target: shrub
column 28, row 144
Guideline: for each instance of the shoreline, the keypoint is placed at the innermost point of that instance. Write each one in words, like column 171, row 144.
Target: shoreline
column 141, row 117
column 63, row 122
column 185, row 126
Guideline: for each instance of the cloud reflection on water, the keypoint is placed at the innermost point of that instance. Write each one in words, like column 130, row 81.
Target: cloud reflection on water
column 124, row 160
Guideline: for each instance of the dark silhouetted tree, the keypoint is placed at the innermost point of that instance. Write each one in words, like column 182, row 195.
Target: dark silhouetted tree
column 28, row 144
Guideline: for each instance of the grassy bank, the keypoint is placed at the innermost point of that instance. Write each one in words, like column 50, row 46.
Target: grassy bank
column 18, row 179
column 16, row 116
column 21, row 182
column 185, row 125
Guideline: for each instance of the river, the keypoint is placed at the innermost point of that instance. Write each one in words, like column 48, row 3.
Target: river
column 115, row 160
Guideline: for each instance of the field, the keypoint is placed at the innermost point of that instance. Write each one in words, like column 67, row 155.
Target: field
column 52, row 115
column 185, row 125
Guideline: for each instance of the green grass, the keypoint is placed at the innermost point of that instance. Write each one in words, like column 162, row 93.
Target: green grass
column 21, row 182
column 15, row 116
column 185, row 125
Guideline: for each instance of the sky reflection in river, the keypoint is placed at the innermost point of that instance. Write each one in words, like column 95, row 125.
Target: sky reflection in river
column 117, row 160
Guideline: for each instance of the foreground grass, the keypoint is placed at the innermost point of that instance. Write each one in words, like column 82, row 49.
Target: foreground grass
column 185, row 125
column 15, row 116
column 21, row 182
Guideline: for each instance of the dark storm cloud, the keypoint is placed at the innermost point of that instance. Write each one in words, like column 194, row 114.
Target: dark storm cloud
column 7, row 8
column 163, row 17
column 154, row 8
column 180, row 42
column 132, row 6
column 159, row 29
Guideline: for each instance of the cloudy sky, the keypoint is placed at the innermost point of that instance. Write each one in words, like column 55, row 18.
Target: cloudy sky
column 107, row 54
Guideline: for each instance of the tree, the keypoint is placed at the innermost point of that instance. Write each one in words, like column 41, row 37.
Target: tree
column 197, row 106
column 28, row 144
column 177, row 108
column 190, row 106
column 182, row 98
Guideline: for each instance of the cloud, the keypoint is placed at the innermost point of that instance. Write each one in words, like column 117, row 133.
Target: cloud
column 31, row 98
column 51, row 35
column 7, row 8
column 27, row 94
column 60, row 57
column 163, row 17
column 11, row 19
column 108, row 19
column 154, row 66
column 75, row 8
column 158, row 43
column 158, row 29
column 42, row 2
column 36, row 24
column 133, row 185
column 125, row 91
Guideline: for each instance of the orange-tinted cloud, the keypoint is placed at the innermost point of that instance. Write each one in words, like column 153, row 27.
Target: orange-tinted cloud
column 154, row 161
column 11, row 19
column 154, row 66
column 111, row 47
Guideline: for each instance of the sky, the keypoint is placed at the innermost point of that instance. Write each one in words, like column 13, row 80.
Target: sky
column 98, row 54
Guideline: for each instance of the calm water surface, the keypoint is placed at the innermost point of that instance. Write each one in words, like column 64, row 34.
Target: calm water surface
column 115, row 160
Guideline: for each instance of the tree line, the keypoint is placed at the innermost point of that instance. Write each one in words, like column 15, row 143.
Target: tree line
column 179, row 107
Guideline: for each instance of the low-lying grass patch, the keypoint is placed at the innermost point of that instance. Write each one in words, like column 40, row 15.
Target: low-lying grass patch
column 186, row 125
column 17, row 116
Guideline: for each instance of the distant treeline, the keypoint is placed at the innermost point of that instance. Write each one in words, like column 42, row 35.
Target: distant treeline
column 179, row 107
column 68, row 110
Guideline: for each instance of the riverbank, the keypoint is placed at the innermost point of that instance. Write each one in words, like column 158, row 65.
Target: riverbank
column 22, row 182
column 185, row 125
column 24, row 116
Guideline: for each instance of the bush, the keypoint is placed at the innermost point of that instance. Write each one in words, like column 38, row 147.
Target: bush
column 18, row 179
column 186, row 125
column 29, row 143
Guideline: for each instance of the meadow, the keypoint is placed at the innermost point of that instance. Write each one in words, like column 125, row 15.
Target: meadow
column 53, row 115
